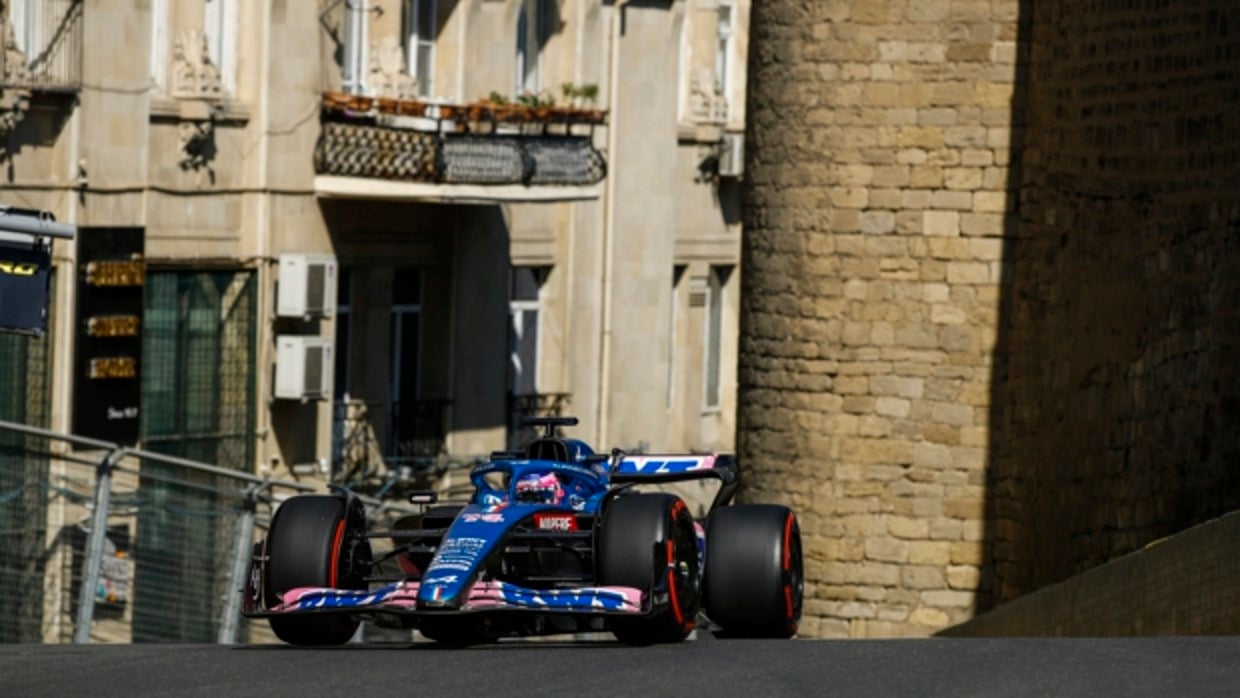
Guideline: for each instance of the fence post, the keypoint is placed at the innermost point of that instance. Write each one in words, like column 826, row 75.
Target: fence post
column 243, row 548
column 95, row 538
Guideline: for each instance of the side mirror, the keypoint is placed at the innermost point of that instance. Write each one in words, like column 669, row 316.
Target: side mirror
column 423, row 497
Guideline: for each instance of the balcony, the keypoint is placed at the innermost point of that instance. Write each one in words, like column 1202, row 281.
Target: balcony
column 41, row 45
column 482, row 152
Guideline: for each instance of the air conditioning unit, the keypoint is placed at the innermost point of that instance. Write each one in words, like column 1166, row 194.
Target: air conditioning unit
column 307, row 286
column 732, row 155
column 304, row 367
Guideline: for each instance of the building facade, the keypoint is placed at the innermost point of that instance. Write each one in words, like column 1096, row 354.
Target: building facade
column 367, row 238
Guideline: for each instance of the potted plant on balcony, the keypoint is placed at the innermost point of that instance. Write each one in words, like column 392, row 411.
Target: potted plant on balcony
column 577, row 98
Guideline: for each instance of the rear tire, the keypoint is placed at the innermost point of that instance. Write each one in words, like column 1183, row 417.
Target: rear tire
column 314, row 542
column 754, row 583
column 648, row 541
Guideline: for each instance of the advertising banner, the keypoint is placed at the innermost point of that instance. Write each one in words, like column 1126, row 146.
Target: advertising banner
column 107, row 382
column 25, row 270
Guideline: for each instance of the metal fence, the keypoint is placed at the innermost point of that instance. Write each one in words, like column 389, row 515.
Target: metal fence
column 102, row 543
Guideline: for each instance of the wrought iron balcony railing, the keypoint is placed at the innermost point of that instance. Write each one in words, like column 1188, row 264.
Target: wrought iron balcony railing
column 476, row 144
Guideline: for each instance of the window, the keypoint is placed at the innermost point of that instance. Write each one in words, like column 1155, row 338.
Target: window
column 219, row 26
column 353, row 61
column 198, row 358
column 344, row 312
column 419, row 43
column 678, row 272
column 723, row 47
column 523, row 345
column 47, row 43
column 714, row 335
column 533, row 29
column 159, row 45
column 524, row 397
column 406, row 356
column 342, row 425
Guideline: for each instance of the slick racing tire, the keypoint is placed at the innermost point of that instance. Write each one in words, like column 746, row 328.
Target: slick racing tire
column 648, row 541
column 314, row 542
column 754, row 583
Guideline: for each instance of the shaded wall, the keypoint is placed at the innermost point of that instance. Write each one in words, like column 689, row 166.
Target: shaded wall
column 1116, row 395
column 1184, row 585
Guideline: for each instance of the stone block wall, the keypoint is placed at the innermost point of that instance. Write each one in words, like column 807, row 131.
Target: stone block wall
column 990, row 284
column 879, row 190
column 1118, row 370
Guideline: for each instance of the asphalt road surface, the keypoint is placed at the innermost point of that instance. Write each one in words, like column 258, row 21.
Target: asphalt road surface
column 1176, row 667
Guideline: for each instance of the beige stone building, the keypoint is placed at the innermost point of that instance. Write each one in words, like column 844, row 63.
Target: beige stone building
column 345, row 268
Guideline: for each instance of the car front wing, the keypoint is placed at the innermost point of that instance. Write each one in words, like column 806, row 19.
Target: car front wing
column 401, row 598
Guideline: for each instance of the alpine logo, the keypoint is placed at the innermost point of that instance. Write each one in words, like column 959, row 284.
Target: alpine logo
column 658, row 465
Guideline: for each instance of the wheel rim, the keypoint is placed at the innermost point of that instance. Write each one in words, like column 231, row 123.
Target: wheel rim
column 333, row 567
column 794, row 584
column 682, row 566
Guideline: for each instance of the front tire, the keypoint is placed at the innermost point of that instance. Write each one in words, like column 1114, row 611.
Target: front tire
column 648, row 541
column 754, row 583
column 314, row 542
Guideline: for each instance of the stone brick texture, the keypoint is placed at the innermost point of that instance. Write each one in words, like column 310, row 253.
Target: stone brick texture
column 989, row 292
column 1182, row 585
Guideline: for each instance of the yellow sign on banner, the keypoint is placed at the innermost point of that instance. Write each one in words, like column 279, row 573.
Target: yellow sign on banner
column 116, row 273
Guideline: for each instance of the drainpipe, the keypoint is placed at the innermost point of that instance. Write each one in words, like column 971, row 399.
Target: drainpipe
column 264, row 267
column 609, row 224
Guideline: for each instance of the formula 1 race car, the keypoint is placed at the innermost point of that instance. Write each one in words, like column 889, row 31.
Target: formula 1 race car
column 555, row 539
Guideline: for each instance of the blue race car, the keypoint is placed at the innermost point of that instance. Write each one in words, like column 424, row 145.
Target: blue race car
column 555, row 539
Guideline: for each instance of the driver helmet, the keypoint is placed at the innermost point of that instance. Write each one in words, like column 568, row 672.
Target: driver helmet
column 544, row 488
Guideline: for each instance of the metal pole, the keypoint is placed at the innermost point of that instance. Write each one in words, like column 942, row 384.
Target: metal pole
column 243, row 548
column 36, row 223
column 94, row 546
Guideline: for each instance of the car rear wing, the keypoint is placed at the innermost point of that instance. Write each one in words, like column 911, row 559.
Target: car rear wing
column 656, row 468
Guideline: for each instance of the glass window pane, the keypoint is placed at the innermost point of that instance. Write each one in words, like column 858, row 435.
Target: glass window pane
column 424, row 75
column 426, row 19
column 344, row 292
column 344, row 287
column 341, row 376
column 198, row 347
column 525, row 283
column 523, row 351
column 523, row 49
column 406, row 355
column 407, row 286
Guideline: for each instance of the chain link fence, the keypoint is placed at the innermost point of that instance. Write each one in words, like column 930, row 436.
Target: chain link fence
column 105, row 544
